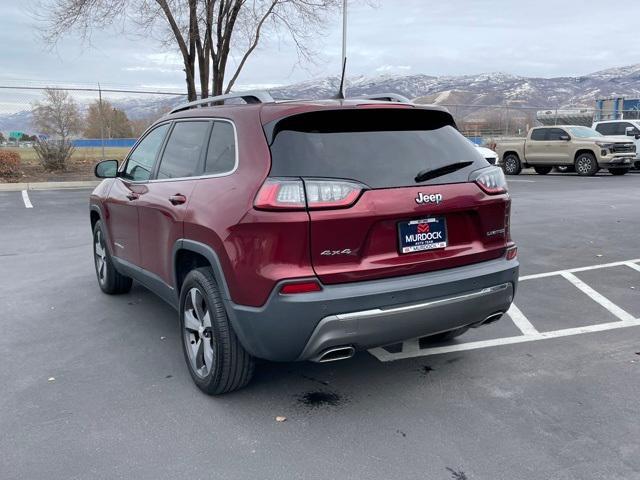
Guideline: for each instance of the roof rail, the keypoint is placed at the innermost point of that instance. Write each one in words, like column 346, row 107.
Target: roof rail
column 387, row 97
column 255, row 96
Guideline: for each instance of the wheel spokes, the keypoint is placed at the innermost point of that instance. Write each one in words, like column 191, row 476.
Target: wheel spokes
column 198, row 305
column 193, row 295
column 196, row 347
column 197, row 332
column 101, row 255
column 207, row 354
column 206, row 319
column 190, row 321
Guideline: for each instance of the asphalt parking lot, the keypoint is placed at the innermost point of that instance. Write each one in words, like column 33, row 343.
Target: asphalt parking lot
column 96, row 387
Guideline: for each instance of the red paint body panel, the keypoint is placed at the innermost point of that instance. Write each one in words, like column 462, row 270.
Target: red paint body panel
column 122, row 222
column 256, row 249
column 161, row 225
column 369, row 229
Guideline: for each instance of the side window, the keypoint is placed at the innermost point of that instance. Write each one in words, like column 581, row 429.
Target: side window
column 622, row 128
column 143, row 157
column 554, row 134
column 182, row 154
column 221, row 153
column 606, row 128
column 538, row 134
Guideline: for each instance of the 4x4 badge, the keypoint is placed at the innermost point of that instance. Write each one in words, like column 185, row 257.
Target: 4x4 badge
column 433, row 198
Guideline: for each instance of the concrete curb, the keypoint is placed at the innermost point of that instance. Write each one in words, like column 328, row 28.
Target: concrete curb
column 16, row 187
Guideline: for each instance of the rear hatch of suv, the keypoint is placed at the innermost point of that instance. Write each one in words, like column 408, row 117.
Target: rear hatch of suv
column 389, row 191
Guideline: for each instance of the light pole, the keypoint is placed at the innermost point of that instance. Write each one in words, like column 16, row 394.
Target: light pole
column 344, row 31
column 341, row 93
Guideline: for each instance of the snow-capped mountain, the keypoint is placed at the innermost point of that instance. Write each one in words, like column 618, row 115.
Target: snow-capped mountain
column 485, row 89
column 476, row 92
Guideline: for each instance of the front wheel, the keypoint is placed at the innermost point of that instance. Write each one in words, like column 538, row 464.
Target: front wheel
column 618, row 171
column 110, row 280
column 586, row 164
column 216, row 360
column 542, row 170
column 512, row 164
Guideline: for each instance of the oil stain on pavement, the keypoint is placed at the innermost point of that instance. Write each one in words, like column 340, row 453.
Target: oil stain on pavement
column 319, row 399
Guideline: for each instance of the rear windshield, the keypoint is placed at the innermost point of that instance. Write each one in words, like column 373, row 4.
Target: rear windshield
column 379, row 147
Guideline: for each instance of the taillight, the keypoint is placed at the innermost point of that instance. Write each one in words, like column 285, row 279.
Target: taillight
column 512, row 252
column 491, row 180
column 300, row 287
column 331, row 193
column 293, row 194
column 281, row 194
column 507, row 220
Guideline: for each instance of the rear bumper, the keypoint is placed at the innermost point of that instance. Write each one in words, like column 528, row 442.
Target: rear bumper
column 380, row 326
column 374, row 313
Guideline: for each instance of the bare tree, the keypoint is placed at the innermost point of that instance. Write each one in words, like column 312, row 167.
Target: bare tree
column 57, row 115
column 102, row 118
column 205, row 32
column 140, row 124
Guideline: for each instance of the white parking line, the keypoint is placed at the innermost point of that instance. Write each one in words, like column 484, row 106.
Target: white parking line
column 635, row 266
column 522, row 322
column 411, row 349
column 25, row 199
column 579, row 269
column 599, row 298
column 385, row 356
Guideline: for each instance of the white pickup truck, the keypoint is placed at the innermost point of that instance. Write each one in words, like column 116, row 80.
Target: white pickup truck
column 566, row 145
column 621, row 130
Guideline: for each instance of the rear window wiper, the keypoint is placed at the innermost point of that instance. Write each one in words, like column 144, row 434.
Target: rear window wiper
column 440, row 171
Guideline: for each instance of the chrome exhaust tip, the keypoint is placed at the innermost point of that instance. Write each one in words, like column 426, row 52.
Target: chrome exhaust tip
column 494, row 317
column 335, row 354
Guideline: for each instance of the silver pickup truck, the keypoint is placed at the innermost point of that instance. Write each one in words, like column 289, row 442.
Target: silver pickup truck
column 571, row 146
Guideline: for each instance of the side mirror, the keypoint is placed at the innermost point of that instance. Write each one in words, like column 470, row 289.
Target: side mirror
column 106, row 169
column 566, row 138
column 631, row 132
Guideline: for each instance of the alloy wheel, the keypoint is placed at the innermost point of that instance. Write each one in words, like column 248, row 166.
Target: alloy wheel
column 584, row 165
column 510, row 165
column 197, row 332
column 100, row 257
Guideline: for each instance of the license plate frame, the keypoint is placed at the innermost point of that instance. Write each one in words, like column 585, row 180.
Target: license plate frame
column 430, row 234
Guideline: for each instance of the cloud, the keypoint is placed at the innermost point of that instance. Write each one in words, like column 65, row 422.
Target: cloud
column 437, row 38
column 393, row 68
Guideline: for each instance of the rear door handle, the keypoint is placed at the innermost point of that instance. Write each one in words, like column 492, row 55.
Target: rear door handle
column 177, row 199
column 133, row 196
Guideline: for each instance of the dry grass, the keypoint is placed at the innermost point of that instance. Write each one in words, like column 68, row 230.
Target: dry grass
column 80, row 167
column 81, row 155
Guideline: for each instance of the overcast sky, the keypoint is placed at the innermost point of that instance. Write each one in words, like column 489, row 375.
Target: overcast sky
column 446, row 37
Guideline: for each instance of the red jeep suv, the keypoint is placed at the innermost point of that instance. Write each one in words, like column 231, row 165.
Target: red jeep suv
column 305, row 230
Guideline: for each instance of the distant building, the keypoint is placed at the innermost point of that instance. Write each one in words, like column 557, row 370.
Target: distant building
column 617, row 108
column 566, row 116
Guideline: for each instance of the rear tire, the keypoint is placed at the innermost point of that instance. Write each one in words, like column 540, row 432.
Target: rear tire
column 217, row 361
column 542, row 170
column 512, row 164
column 618, row 171
column 110, row 280
column 446, row 336
column 586, row 165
